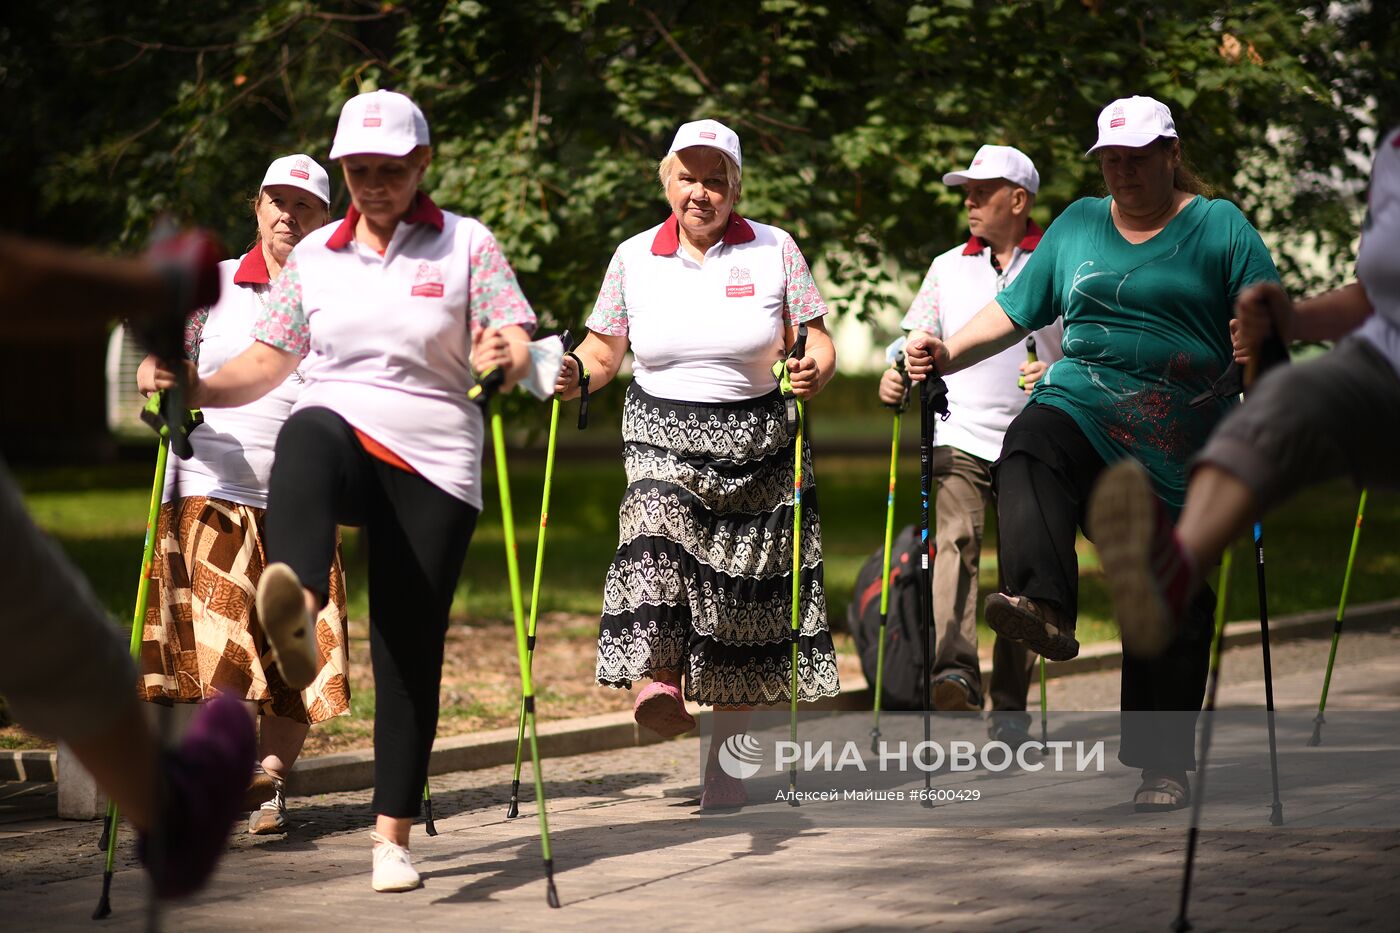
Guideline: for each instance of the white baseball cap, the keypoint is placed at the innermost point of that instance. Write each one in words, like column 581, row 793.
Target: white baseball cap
column 710, row 133
column 1133, row 122
column 999, row 162
column 380, row 122
column 299, row 171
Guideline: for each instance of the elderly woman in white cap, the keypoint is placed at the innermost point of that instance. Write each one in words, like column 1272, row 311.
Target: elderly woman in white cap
column 382, row 313
column 1146, row 281
column 698, row 597
column 202, row 633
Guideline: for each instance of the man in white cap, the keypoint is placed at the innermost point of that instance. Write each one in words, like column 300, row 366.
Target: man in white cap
column 1000, row 187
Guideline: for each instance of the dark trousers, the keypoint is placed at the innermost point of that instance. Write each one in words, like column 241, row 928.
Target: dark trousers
column 1043, row 480
column 417, row 537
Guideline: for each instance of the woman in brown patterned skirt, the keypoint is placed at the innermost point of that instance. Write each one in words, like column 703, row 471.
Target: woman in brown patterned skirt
column 202, row 633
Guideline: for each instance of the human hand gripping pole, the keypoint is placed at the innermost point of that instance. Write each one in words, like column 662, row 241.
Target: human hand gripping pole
column 793, row 410
column 894, row 355
column 483, row 393
column 933, row 406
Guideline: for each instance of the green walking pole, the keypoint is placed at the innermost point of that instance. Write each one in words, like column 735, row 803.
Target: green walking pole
column 156, row 414
column 514, row 809
column 482, row 393
column 894, row 355
column 796, row 422
column 1181, row 924
column 1316, row 738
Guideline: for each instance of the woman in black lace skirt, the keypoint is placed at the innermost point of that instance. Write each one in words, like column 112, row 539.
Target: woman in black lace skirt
column 699, row 595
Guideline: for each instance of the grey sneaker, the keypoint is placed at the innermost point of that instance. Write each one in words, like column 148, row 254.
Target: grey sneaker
column 271, row 817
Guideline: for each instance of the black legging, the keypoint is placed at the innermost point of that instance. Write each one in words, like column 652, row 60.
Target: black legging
column 417, row 537
column 1043, row 479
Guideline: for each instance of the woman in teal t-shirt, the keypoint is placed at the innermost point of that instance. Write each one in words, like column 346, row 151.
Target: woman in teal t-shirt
column 1145, row 280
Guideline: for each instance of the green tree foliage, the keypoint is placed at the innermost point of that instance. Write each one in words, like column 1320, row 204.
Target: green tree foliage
column 548, row 117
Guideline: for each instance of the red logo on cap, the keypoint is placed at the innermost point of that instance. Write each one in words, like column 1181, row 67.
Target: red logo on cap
column 372, row 114
column 707, row 135
column 1116, row 118
column 301, row 168
column 427, row 281
column 976, row 161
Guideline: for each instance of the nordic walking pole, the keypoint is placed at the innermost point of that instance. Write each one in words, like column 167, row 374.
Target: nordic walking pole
column 1181, row 925
column 482, row 393
column 428, row 809
column 155, row 414
column 933, row 403
column 795, row 420
column 514, row 809
column 1337, row 629
column 895, row 355
column 1276, row 808
column 1044, row 723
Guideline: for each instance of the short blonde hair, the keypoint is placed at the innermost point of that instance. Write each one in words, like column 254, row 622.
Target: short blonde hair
column 732, row 176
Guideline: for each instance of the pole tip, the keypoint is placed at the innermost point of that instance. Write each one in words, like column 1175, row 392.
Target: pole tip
column 514, row 809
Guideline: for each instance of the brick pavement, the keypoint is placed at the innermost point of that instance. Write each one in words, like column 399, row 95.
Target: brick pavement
column 631, row 849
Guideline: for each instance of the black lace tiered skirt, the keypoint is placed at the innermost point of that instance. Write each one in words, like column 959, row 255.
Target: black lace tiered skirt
column 702, row 578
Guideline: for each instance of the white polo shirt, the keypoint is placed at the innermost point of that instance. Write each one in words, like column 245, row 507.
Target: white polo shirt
column 390, row 337
column 233, row 448
column 1378, row 261
column 711, row 332
column 983, row 398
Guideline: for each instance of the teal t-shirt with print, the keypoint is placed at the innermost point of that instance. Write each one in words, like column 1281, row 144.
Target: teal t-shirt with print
column 1146, row 327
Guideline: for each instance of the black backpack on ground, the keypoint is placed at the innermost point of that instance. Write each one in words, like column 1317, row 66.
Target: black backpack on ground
column 904, row 661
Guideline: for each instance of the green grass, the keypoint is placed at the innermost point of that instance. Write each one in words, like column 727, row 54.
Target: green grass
column 98, row 515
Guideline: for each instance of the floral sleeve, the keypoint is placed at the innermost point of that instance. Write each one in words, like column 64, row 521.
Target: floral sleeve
column 610, row 310
column 194, row 328
column 801, row 301
column 282, row 323
column 924, row 314
column 494, row 297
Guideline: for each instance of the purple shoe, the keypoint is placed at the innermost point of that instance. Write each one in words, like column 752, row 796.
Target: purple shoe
column 205, row 779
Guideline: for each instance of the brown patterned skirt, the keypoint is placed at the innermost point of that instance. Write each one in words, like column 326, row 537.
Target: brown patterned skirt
column 202, row 633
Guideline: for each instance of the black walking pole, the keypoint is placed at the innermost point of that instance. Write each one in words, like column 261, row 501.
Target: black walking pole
column 1276, row 808
column 933, row 404
column 1181, row 924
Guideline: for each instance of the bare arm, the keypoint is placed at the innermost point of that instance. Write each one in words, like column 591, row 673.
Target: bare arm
column 506, row 347
column 988, row 333
column 601, row 355
column 246, row 378
column 811, row 373
column 64, row 282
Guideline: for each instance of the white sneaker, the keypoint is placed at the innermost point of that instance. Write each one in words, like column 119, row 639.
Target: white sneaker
column 393, row 869
column 291, row 631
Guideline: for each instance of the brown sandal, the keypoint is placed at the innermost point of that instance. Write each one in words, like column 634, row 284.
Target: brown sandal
column 1161, row 791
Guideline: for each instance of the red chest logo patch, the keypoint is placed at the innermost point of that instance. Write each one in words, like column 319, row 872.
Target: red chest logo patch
column 740, row 283
column 427, row 281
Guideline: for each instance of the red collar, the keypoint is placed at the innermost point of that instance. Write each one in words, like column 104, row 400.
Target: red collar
column 253, row 269
column 1028, row 243
column 668, row 238
column 424, row 211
